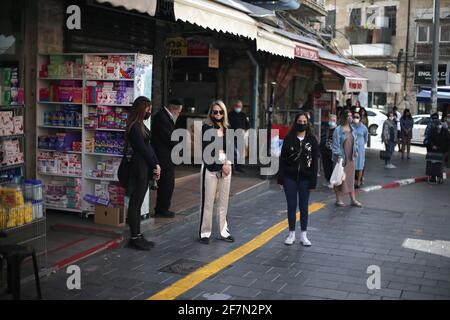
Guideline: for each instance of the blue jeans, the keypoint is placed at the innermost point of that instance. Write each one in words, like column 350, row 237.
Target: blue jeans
column 292, row 189
column 390, row 147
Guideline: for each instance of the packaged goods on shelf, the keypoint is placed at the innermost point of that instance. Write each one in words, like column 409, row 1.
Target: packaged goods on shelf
column 62, row 91
column 10, row 153
column 90, row 145
column 59, row 163
column 68, row 116
column 10, row 92
column 109, row 67
column 62, row 67
column 13, row 175
column 104, row 117
column 120, row 92
column 10, row 124
column 63, row 141
column 109, row 142
column 105, row 169
column 14, row 211
column 64, row 194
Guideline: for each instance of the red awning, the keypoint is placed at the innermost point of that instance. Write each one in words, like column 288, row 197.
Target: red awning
column 353, row 82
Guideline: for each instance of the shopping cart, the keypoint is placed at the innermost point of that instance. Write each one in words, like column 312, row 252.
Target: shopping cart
column 435, row 167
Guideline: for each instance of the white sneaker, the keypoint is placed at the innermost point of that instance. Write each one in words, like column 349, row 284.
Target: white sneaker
column 290, row 238
column 330, row 186
column 304, row 240
column 391, row 166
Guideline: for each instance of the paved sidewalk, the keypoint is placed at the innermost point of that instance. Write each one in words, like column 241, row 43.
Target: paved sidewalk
column 404, row 231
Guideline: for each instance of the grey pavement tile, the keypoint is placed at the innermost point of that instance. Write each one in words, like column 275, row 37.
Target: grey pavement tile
column 435, row 290
column 242, row 292
column 238, row 281
column 412, row 295
column 361, row 296
column 410, row 273
column 437, row 276
column 353, row 288
column 273, row 286
column 316, row 292
column 403, row 286
column 384, row 292
column 319, row 283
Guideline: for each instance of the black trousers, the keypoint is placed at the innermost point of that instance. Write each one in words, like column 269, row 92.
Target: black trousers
column 134, row 207
column 327, row 163
column 164, row 193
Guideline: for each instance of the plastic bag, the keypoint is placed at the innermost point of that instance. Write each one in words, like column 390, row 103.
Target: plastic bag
column 338, row 175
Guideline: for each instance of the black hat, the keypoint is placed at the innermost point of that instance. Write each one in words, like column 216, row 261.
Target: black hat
column 175, row 102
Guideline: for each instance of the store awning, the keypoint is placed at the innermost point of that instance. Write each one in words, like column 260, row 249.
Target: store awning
column 425, row 96
column 275, row 44
column 353, row 82
column 143, row 6
column 379, row 80
column 215, row 16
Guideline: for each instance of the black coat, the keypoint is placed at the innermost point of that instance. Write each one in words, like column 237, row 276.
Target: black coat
column 162, row 129
column 439, row 139
column 143, row 159
column 238, row 120
column 299, row 166
column 222, row 140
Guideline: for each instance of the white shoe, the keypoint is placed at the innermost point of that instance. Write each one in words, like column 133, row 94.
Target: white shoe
column 304, row 240
column 330, row 186
column 290, row 238
column 391, row 166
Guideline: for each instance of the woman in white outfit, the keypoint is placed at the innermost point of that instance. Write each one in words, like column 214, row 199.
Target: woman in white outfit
column 215, row 173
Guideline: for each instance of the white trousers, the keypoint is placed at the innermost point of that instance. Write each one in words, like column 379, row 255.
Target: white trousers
column 213, row 185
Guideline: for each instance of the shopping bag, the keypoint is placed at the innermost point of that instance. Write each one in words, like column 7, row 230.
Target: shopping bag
column 338, row 174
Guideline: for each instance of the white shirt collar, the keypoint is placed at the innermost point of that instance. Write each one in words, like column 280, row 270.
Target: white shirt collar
column 170, row 114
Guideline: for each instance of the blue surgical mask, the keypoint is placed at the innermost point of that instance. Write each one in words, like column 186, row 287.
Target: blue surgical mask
column 332, row 124
column 237, row 110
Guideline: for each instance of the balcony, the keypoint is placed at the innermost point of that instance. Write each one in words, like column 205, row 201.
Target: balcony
column 369, row 42
column 309, row 9
column 423, row 51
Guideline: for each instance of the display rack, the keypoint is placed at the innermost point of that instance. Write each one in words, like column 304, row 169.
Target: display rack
column 141, row 83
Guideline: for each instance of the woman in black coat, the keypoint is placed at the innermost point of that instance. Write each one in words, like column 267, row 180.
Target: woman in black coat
column 144, row 167
column 298, row 173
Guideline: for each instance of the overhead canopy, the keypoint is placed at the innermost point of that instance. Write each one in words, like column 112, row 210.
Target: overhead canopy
column 250, row 9
column 379, row 80
column 352, row 82
column 215, row 16
column 143, row 6
column 275, row 44
column 425, row 96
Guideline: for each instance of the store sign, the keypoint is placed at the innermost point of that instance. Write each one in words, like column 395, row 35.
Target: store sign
column 422, row 74
column 306, row 53
column 355, row 85
column 213, row 60
column 186, row 47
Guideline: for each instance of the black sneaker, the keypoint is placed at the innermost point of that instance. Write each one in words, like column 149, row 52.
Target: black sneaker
column 227, row 239
column 164, row 214
column 204, row 240
column 138, row 244
column 149, row 243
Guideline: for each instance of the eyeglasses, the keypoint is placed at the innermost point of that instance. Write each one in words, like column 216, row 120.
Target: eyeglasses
column 216, row 112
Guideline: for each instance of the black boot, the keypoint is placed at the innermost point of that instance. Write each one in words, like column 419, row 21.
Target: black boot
column 138, row 244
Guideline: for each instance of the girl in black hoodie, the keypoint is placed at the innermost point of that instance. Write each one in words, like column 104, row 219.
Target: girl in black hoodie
column 298, row 173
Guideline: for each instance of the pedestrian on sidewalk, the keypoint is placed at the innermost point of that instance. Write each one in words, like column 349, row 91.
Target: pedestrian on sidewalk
column 439, row 139
column 215, row 174
column 364, row 118
column 434, row 121
column 163, row 125
column 397, row 118
column 240, row 123
column 325, row 149
column 390, row 138
column 298, row 174
column 362, row 136
column 345, row 147
column 144, row 167
column 406, row 124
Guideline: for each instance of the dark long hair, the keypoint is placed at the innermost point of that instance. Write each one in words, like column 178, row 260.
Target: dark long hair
column 308, row 124
column 343, row 117
column 405, row 112
column 137, row 114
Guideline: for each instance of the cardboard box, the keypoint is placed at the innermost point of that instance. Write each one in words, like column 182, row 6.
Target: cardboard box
column 110, row 216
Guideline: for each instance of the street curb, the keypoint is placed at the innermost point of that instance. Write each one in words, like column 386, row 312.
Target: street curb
column 398, row 183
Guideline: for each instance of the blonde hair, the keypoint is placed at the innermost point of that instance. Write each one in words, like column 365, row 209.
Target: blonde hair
column 225, row 113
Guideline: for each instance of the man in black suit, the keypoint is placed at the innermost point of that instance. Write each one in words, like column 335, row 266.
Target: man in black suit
column 163, row 124
column 238, row 120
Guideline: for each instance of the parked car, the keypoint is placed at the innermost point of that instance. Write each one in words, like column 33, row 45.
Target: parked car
column 376, row 120
column 420, row 124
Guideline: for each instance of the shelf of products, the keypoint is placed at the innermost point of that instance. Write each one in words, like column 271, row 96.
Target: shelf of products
column 86, row 99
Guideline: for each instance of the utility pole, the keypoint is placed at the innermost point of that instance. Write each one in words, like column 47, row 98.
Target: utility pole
column 435, row 56
column 399, row 57
column 269, row 118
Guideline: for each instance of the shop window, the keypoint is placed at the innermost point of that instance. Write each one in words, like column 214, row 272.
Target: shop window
column 355, row 17
column 391, row 13
column 445, row 33
column 423, row 34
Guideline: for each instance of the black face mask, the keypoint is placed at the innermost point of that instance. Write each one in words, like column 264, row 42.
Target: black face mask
column 147, row 115
column 216, row 120
column 300, row 127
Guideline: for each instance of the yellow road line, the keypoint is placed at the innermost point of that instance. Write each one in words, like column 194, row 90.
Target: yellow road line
column 190, row 281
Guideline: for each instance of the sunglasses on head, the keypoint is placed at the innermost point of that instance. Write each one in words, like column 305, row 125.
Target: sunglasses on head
column 216, row 112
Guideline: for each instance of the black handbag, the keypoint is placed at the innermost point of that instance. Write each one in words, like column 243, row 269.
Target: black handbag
column 124, row 170
column 384, row 155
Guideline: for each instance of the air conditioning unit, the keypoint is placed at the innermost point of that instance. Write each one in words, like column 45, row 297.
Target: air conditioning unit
column 382, row 22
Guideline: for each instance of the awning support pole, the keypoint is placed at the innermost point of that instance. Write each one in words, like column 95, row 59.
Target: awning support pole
column 255, row 93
